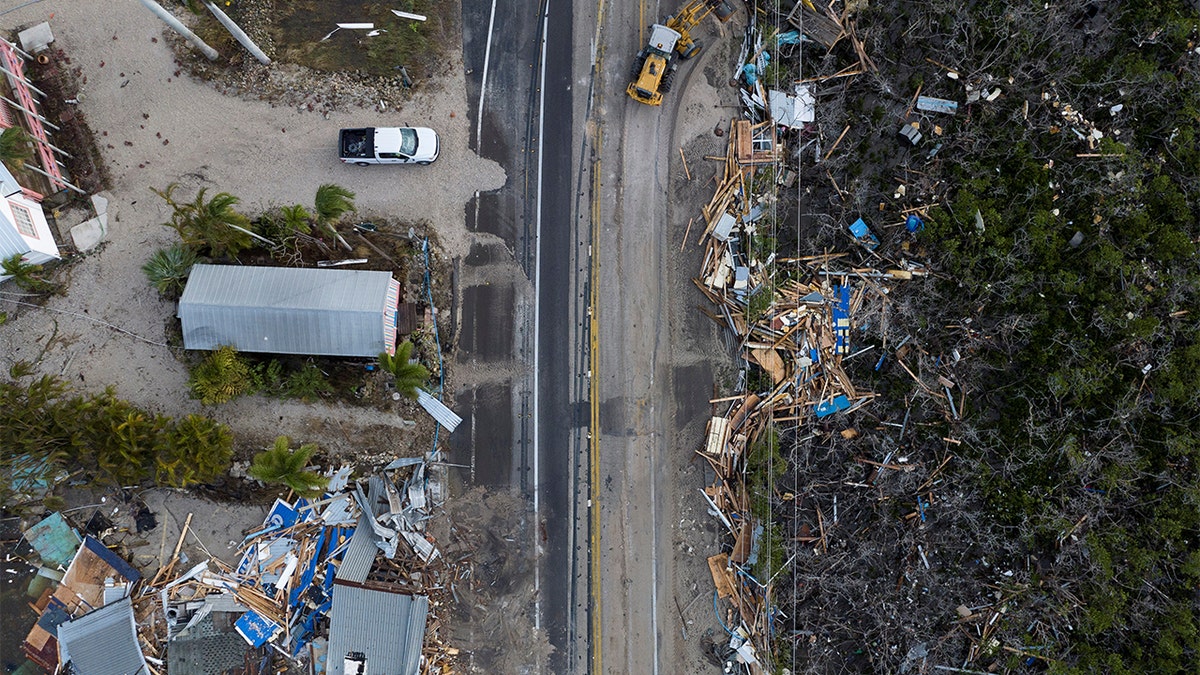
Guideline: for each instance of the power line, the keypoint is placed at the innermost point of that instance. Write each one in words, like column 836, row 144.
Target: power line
column 86, row 318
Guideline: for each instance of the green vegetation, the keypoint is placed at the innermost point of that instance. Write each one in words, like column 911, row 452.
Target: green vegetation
column 168, row 269
column 280, row 465
column 331, row 203
column 27, row 276
column 222, row 376
column 208, row 224
column 225, row 374
column 1067, row 278
column 15, row 148
column 47, row 429
column 409, row 375
column 1101, row 367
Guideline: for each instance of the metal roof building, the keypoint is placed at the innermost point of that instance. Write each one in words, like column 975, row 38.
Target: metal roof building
column 284, row 310
column 103, row 642
column 387, row 628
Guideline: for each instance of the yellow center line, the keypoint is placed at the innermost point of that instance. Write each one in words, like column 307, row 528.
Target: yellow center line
column 597, row 626
column 594, row 435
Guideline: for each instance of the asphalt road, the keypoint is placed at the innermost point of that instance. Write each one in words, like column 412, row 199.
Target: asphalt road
column 519, row 313
column 584, row 224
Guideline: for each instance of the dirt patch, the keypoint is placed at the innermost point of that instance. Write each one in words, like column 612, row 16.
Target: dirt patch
column 492, row 615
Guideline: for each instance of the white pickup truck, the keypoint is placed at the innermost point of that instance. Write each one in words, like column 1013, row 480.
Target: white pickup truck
column 388, row 145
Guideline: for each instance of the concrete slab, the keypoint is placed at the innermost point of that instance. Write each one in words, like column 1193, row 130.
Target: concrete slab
column 88, row 234
column 100, row 204
column 36, row 38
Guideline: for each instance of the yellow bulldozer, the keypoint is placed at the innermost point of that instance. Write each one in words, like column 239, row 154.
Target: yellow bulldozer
column 655, row 68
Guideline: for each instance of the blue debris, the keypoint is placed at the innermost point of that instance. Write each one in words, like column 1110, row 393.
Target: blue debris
column 863, row 234
column 792, row 37
column 827, row 408
column 914, row 223
column 750, row 74
column 282, row 515
column 938, row 105
column 841, row 320
column 307, row 576
column 255, row 628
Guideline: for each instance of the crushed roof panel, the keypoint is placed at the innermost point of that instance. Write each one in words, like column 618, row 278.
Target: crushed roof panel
column 103, row 642
column 389, row 628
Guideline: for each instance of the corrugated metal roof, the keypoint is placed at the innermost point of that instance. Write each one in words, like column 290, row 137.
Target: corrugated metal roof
column 389, row 628
column 360, row 554
column 281, row 310
column 103, row 642
column 438, row 411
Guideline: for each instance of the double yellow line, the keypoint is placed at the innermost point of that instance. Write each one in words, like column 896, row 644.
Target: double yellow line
column 594, row 429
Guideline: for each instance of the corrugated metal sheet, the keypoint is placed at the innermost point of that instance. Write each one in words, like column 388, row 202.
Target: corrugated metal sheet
column 280, row 310
column 438, row 411
column 103, row 642
column 360, row 554
column 389, row 628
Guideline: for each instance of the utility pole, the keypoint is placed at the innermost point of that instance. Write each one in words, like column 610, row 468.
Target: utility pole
column 176, row 25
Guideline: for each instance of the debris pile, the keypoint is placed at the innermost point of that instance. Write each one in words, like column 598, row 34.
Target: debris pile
column 353, row 575
column 797, row 319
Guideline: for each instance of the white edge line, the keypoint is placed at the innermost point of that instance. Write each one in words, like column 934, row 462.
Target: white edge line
column 487, row 55
column 537, row 568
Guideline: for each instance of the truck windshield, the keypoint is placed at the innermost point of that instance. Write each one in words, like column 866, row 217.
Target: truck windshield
column 408, row 141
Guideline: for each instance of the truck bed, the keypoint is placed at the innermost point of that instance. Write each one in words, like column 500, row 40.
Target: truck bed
column 357, row 143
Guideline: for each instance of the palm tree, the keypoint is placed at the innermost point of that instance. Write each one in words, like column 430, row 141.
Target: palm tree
column 331, row 203
column 280, row 465
column 168, row 269
column 221, row 377
column 14, row 148
column 208, row 222
column 295, row 219
column 26, row 276
column 409, row 375
column 198, row 450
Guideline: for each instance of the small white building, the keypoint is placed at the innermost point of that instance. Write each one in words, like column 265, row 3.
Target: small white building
column 23, row 226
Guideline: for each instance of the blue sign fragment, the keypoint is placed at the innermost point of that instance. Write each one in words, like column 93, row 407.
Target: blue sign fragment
column 863, row 234
column 256, row 629
column 827, row 408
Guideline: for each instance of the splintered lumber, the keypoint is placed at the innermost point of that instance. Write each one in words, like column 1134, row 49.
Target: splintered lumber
column 686, row 173
column 718, row 565
column 834, row 147
column 744, row 140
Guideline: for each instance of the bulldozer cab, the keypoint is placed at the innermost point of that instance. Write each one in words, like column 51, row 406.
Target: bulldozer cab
column 663, row 39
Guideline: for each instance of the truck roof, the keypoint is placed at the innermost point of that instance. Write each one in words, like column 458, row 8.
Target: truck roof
column 394, row 139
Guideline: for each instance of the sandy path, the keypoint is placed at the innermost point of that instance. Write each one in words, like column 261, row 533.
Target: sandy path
column 155, row 127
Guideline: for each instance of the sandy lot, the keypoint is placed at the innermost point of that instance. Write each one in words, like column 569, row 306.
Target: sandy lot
column 155, row 126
